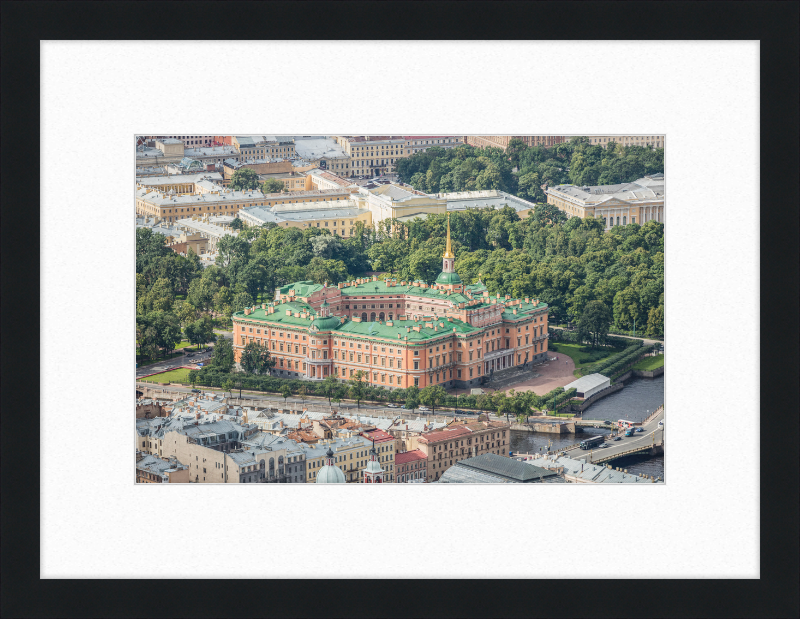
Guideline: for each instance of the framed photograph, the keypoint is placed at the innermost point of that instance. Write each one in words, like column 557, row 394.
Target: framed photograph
column 435, row 260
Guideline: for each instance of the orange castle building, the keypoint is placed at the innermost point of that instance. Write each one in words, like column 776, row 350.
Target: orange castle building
column 399, row 333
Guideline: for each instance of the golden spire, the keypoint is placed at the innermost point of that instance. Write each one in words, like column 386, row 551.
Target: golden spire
column 448, row 252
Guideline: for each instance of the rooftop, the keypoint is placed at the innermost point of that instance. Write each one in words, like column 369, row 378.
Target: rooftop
column 585, row 383
column 505, row 467
column 590, row 473
column 316, row 148
column 646, row 189
column 409, row 456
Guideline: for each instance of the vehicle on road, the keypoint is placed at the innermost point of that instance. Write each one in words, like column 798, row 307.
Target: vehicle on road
column 629, row 432
column 617, row 438
column 460, row 412
column 591, row 442
column 424, row 408
column 195, row 391
column 392, row 406
column 661, row 424
column 624, row 423
column 639, row 430
column 603, row 445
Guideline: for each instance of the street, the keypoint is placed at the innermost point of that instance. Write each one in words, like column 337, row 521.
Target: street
column 639, row 439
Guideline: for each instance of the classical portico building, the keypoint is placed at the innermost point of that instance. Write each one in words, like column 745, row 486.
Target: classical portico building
column 618, row 205
column 399, row 333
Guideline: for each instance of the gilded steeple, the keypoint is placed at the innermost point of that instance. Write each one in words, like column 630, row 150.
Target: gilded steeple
column 448, row 252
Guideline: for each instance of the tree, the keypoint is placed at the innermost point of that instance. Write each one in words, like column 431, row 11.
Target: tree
column 255, row 358
column 503, row 403
column 320, row 270
column 184, row 312
column 412, row 397
column 594, row 323
column 329, row 386
column 286, row 391
column 272, row 185
column 237, row 224
column 228, row 386
column 200, row 331
column 433, row 396
column 201, row 293
column 223, row 358
column 358, row 386
column 240, row 301
column 303, row 393
column 339, row 394
column 244, row 179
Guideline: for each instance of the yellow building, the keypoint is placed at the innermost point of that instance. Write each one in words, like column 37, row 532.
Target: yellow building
column 656, row 141
column 501, row 141
column 373, row 155
column 351, row 455
column 338, row 216
column 625, row 203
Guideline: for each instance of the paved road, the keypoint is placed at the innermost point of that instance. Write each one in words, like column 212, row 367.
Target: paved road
column 639, row 439
column 320, row 405
column 177, row 362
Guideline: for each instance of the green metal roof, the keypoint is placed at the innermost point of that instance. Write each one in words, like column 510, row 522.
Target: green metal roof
column 448, row 278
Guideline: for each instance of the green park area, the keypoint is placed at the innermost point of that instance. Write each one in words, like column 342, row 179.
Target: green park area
column 650, row 363
column 180, row 375
column 579, row 357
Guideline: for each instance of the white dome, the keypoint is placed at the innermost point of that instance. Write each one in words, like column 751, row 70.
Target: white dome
column 330, row 475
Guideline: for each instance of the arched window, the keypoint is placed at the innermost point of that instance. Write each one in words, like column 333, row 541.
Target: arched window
column 272, row 467
column 364, row 316
column 381, row 316
column 372, row 317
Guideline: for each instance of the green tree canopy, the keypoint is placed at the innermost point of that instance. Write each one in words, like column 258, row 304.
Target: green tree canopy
column 244, row 179
column 272, row 185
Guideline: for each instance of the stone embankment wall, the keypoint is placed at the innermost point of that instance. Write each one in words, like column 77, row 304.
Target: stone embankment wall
column 546, row 427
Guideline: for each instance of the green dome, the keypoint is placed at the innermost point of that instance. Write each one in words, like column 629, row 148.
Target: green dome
column 325, row 324
column 448, row 278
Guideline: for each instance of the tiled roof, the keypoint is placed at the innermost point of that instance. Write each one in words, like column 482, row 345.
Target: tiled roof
column 409, row 456
column 379, row 436
column 445, row 435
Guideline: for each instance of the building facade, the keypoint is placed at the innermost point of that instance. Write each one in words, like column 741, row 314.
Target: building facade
column 502, row 141
column 459, row 441
column 618, row 205
column 397, row 333
column 656, row 141
column 373, row 155
column 151, row 469
column 421, row 143
column 411, row 466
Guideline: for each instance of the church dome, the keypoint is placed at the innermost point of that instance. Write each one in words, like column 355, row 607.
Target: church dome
column 325, row 323
column 448, row 278
column 330, row 474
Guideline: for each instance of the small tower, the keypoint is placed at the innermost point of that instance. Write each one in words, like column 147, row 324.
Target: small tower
column 448, row 278
column 373, row 473
column 330, row 473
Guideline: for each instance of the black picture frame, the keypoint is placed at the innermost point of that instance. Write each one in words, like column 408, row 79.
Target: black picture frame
column 775, row 594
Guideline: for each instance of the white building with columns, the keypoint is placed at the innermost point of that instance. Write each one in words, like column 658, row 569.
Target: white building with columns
column 625, row 203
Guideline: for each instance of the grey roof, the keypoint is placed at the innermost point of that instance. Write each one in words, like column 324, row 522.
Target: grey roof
column 590, row 473
column 317, row 148
column 463, row 475
column 154, row 464
column 462, row 200
column 585, row 383
column 505, row 467
column 174, row 179
column 646, row 189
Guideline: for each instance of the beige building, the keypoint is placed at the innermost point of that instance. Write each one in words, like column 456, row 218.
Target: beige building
column 373, row 155
column 194, row 242
column 209, row 198
column 351, row 455
column 264, row 146
column 421, row 143
column 461, row 440
column 656, row 141
column 339, row 216
column 625, row 203
column 153, row 470
column 501, row 141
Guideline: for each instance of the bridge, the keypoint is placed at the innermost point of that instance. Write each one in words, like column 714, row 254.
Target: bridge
column 650, row 440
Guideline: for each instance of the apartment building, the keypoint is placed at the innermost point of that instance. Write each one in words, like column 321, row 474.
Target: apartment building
column 502, row 141
column 462, row 440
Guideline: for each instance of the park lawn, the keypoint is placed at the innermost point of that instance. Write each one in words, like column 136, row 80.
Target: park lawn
column 581, row 359
column 650, row 363
column 180, row 375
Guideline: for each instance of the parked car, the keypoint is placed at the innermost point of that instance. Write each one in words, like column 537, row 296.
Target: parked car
column 460, row 412
column 424, row 408
column 392, row 405
column 195, row 391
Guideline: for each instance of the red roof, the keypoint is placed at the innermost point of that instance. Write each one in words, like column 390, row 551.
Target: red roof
column 409, row 456
column 444, row 435
column 379, row 436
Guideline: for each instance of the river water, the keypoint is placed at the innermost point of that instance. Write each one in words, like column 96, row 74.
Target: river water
column 639, row 398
